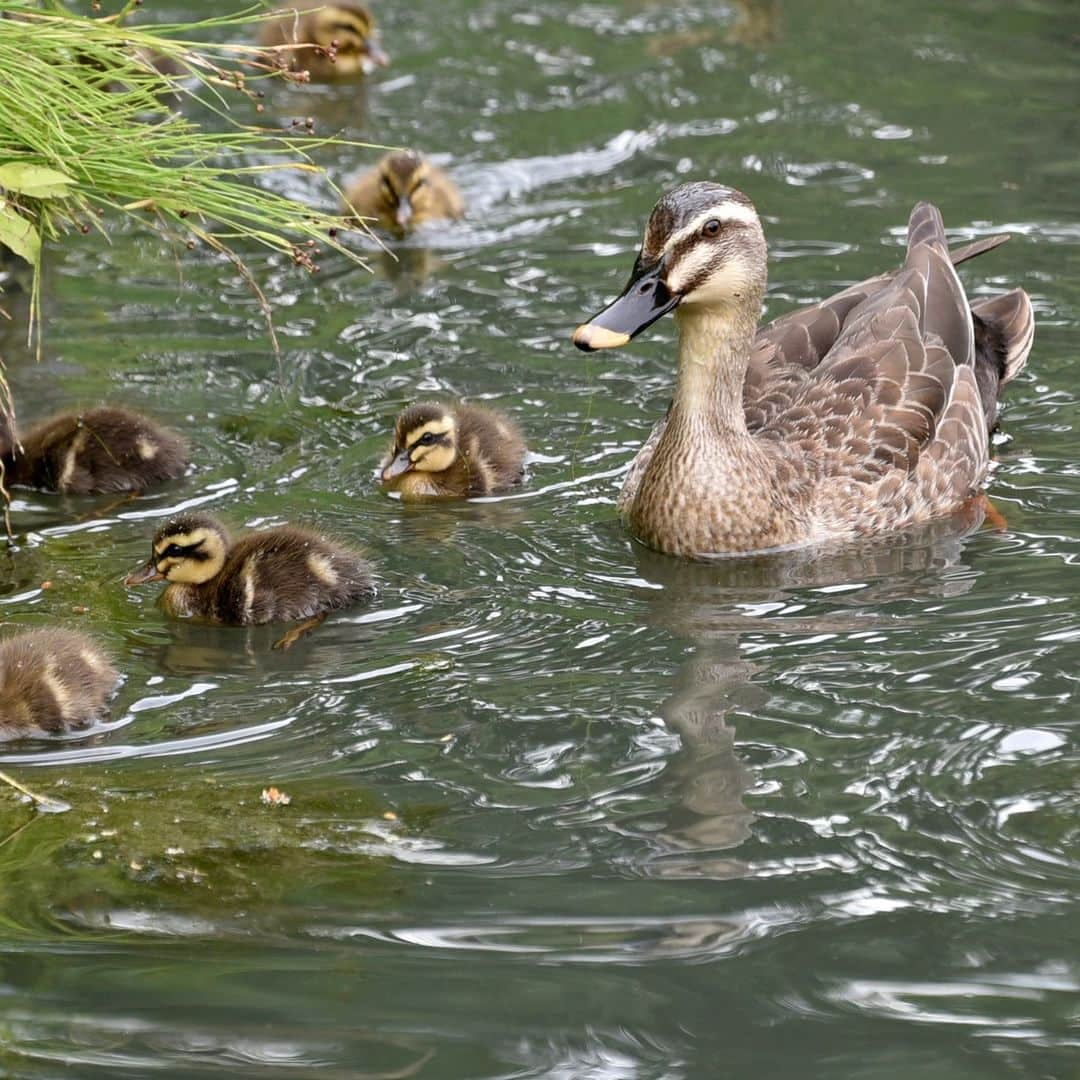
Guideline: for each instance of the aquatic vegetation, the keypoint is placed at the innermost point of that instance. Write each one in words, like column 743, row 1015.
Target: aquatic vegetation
column 89, row 131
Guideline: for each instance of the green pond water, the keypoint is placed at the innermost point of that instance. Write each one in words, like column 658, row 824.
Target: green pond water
column 562, row 808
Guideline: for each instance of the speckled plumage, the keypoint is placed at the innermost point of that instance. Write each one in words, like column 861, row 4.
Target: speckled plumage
column 279, row 575
column 485, row 450
column 52, row 681
column 101, row 450
column 867, row 412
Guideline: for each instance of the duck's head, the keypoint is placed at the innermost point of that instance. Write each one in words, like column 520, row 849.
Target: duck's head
column 703, row 249
column 348, row 32
column 406, row 198
column 425, row 440
column 188, row 549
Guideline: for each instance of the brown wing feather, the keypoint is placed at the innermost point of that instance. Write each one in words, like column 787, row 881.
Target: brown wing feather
column 802, row 338
column 876, row 402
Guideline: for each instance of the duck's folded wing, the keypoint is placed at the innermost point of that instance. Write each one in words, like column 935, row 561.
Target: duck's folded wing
column 898, row 384
column 790, row 347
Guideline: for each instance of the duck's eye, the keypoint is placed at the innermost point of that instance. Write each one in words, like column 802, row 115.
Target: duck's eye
column 419, row 183
column 388, row 189
column 427, row 439
column 173, row 551
column 711, row 227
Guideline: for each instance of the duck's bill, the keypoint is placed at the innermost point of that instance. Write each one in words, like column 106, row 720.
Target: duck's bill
column 375, row 57
column 403, row 215
column 398, row 467
column 144, row 575
column 644, row 300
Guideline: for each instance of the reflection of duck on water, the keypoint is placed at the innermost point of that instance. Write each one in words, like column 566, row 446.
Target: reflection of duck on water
column 756, row 24
column 706, row 604
column 709, row 777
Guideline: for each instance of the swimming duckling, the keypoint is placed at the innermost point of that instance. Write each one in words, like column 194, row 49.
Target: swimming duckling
column 280, row 575
column 101, row 450
column 404, row 190
column 52, row 680
column 447, row 451
column 334, row 40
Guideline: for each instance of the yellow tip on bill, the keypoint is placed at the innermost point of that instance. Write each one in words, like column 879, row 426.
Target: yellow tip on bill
column 589, row 337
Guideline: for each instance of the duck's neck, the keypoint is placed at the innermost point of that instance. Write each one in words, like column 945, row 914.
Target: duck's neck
column 714, row 348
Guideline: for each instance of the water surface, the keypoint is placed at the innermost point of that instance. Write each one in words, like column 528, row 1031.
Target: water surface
column 562, row 808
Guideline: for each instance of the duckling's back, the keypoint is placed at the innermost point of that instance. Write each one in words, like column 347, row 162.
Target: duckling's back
column 493, row 448
column 50, row 681
column 101, row 450
column 287, row 574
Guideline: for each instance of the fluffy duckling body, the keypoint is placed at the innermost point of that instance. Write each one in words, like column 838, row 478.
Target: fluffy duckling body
column 280, row 575
column 51, row 681
column 404, row 190
column 443, row 451
column 332, row 40
column 97, row 451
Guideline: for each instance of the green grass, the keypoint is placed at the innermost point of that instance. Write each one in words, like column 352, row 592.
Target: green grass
column 92, row 131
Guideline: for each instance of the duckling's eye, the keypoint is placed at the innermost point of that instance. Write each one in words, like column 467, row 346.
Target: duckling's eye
column 419, row 183
column 711, row 227
column 388, row 190
column 173, row 551
column 427, row 439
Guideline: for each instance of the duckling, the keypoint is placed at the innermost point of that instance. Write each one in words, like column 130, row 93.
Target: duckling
column 404, row 190
column 280, row 575
column 52, row 680
column 445, row 451
column 334, row 40
column 101, row 450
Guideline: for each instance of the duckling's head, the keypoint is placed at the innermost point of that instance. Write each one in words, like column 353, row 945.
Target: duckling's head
column 188, row 550
column 348, row 32
column 425, row 440
column 406, row 198
column 703, row 250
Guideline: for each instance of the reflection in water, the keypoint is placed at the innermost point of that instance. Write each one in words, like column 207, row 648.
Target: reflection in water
column 710, row 778
column 701, row 602
column 407, row 267
column 757, row 25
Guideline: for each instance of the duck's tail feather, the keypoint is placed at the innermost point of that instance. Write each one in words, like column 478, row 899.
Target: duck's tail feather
column 926, row 227
column 1004, row 331
column 977, row 247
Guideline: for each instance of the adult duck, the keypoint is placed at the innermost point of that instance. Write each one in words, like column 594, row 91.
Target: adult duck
column 870, row 411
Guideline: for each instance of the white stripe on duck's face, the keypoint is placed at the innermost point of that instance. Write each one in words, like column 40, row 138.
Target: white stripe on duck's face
column 717, row 258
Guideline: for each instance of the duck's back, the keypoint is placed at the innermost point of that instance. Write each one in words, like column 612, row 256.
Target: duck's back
column 102, row 450
column 51, row 681
column 492, row 448
column 287, row 574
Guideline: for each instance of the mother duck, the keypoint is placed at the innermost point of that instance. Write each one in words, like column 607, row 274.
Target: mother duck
column 867, row 412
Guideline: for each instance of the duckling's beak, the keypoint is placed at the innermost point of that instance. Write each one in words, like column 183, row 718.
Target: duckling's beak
column 401, row 464
column 404, row 212
column 644, row 300
column 144, row 574
column 374, row 56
